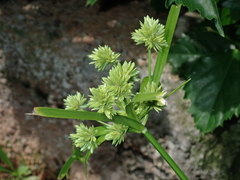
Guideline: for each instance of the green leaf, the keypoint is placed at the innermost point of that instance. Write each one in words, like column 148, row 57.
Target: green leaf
column 144, row 83
column 67, row 165
column 207, row 8
column 215, row 87
column 90, row 2
column 85, row 115
column 234, row 6
column 145, row 96
column 179, row 87
column 214, row 91
column 2, row 169
column 23, row 170
column 226, row 17
column 130, row 111
column 5, row 159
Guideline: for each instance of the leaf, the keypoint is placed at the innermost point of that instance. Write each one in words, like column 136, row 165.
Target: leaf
column 70, row 114
column 207, row 8
column 179, row 87
column 130, row 111
column 226, row 17
column 23, row 170
column 67, row 165
column 215, row 86
column 146, row 96
column 2, row 169
column 5, row 159
column 90, row 2
column 214, row 91
column 234, row 7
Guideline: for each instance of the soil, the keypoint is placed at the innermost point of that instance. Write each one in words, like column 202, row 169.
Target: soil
column 44, row 48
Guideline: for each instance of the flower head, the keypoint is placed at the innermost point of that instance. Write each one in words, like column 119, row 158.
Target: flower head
column 84, row 138
column 151, row 34
column 102, row 100
column 116, row 133
column 75, row 102
column 120, row 80
column 103, row 56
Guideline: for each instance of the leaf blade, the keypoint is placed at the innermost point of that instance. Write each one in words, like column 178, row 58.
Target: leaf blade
column 207, row 8
column 215, row 87
column 85, row 115
column 5, row 159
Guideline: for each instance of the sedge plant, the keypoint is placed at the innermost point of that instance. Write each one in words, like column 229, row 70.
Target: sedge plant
column 113, row 103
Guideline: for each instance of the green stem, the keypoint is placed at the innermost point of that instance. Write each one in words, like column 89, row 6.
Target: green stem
column 149, row 65
column 164, row 154
column 170, row 28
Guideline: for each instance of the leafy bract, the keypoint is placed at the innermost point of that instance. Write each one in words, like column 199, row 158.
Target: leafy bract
column 207, row 8
column 215, row 72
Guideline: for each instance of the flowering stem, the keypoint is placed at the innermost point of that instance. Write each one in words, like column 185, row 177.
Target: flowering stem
column 164, row 154
column 169, row 31
column 149, row 65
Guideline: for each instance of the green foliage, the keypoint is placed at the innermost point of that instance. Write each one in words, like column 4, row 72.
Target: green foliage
column 207, row 8
column 233, row 6
column 213, row 64
column 90, row 2
column 214, row 70
column 21, row 173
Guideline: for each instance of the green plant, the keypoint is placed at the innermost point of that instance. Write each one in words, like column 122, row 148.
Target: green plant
column 22, row 172
column 119, row 110
column 213, row 63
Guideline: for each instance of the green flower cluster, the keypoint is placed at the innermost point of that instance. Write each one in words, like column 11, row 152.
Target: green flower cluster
column 116, row 133
column 110, row 98
column 85, row 138
column 75, row 102
column 151, row 34
column 103, row 56
column 115, row 96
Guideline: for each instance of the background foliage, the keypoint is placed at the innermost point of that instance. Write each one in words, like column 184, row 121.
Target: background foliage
column 213, row 64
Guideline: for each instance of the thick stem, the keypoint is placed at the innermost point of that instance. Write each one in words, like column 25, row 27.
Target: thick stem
column 164, row 154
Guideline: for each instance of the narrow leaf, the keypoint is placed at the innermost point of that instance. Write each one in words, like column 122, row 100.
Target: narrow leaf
column 140, row 97
column 130, row 111
column 85, row 115
column 5, row 159
column 183, row 84
column 67, row 165
column 2, row 169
